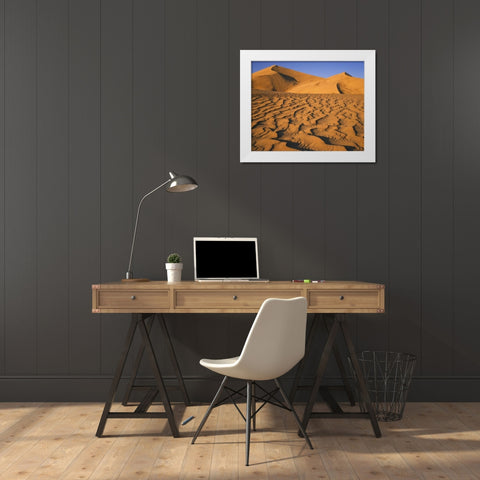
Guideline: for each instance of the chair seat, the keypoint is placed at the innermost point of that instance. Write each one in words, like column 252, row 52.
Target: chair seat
column 218, row 363
column 233, row 368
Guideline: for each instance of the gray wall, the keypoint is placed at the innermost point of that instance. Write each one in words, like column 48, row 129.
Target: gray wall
column 99, row 99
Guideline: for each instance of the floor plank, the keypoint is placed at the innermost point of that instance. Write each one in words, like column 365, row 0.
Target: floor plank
column 47, row 440
column 42, row 441
column 226, row 449
column 70, row 448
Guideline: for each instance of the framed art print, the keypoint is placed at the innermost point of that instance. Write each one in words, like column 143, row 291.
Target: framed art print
column 303, row 106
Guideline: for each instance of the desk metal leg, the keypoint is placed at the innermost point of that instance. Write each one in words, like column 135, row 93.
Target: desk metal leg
column 173, row 357
column 339, row 325
column 181, row 384
column 158, row 377
column 322, row 366
column 361, row 382
column 341, row 365
column 138, row 359
column 139, row 321
column 324, row 391
column 301, row 364
column 116, row 378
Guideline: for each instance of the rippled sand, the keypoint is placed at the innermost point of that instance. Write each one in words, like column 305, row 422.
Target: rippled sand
column 318, row 122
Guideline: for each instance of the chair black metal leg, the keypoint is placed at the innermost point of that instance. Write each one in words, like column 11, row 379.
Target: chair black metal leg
column 159, row 380
column 254, row 408
column 118, row 374
column 361, row 382
column 248, row 421
column 290, row 406
column 210, row 408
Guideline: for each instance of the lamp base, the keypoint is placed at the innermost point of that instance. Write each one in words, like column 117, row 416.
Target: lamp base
column 135, row 280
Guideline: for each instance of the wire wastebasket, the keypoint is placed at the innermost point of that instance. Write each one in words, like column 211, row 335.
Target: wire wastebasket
column 387, row 376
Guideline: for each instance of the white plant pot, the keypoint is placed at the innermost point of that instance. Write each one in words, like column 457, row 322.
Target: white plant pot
column 174, row 272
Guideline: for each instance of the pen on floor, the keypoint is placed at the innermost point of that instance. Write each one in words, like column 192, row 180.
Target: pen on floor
column 187, row 420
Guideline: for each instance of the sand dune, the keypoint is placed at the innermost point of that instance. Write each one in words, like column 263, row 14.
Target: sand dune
column 296, row 111
column 280, row 79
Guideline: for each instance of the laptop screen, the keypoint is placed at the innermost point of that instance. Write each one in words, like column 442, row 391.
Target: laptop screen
column 220, row 258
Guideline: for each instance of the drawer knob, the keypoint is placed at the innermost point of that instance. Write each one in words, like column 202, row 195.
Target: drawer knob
column 235, row 297
column 341, row 297
column 133, row 297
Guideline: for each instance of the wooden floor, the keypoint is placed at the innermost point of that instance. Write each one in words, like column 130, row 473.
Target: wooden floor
column 57, row 441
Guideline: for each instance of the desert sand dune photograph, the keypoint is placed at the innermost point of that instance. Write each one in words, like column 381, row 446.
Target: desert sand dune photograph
column 298, row 111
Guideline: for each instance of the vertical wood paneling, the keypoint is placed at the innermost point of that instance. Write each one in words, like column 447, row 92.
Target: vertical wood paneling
column 2, row 188
column 404, row 287
column 52, row 187
column 20, row 186
column 212, row 118
column 308, row 180
column 181, row 139
column 102, row 97
column 181, row 154
column 149, row 135
column 437, row 187
column 116, row 161
column 84, row 184
column 244, row 182
column 212, row 89
column 466, row 175
column 340, row 185
column 372, row 180
column 340, row 180
column 149, row 139
column 276, row 237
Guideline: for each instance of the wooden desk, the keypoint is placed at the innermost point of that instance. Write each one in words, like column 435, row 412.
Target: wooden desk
column 149, row 298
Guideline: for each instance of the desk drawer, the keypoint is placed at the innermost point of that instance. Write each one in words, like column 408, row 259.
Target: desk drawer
column 339, row 299
column 132, row 299
column 221, row 299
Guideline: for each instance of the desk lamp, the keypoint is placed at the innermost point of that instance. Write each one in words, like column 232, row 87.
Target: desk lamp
column 176, row 183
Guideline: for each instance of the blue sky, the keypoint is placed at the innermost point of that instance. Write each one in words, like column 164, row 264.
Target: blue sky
column 320, row 69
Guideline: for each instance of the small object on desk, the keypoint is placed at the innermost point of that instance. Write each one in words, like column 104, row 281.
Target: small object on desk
column 308, row 281
column 188, row 420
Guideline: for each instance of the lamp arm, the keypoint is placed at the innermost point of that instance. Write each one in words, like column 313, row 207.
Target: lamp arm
column 136, row 223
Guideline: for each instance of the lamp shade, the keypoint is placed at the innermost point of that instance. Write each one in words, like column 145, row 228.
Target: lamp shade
column 181, row 183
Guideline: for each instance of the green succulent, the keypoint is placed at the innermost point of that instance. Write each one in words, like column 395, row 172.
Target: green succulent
column 174, row 258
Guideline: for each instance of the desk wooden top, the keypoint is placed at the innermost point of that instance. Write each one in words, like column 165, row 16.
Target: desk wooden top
column 234, row 297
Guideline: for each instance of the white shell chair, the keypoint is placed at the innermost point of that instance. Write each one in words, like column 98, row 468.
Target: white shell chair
column 275, row 344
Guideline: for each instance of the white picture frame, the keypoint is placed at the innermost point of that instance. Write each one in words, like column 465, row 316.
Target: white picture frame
column 313, row 150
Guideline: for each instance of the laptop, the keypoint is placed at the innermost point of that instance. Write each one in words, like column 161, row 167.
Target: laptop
column 226, row 259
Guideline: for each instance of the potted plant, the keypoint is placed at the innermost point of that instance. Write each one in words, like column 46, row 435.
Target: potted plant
column 174, row 268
